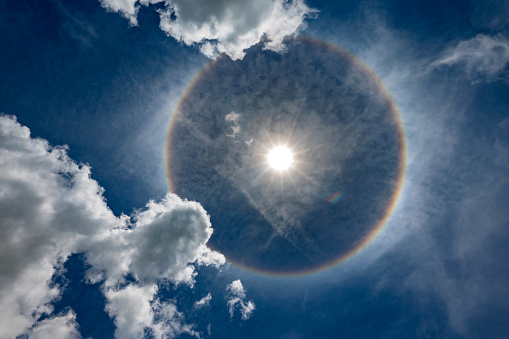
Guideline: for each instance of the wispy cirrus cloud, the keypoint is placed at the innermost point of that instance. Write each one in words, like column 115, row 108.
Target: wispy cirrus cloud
column 483, row 57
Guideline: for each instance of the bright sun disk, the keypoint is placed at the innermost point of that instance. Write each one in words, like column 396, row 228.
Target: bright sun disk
column 280, row 158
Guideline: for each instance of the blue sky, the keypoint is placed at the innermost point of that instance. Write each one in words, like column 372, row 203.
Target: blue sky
column 94, row 244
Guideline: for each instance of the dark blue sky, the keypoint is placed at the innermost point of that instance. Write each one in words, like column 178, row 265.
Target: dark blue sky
column 104, row 81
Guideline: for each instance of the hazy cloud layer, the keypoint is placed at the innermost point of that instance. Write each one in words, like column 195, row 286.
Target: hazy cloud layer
column 483, row 57
column 452, row 208
column 223, row 26
column 450, row 223
column 451, row 215
column 237, row 300
column 490, row 14
column 50, row 208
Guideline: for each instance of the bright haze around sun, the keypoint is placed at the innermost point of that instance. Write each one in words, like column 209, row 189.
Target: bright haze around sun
column 280, row 158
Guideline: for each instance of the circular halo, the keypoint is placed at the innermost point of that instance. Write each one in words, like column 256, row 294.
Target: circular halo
column 339, row 121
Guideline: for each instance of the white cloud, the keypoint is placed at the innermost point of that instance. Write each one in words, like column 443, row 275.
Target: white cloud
column 134, row 309
column 233, row 120
column 164, row 239
column 63, row 327
column 50, row 208
column 484, row 57
column 237, row 299
column 224, row 26
column 203, row 301
column 169, row 323
column 131, row 309
column 128, row 8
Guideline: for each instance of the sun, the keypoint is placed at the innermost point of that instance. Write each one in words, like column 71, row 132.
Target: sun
column 280, row 158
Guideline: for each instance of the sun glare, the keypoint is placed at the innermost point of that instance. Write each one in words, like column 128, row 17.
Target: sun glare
column 280, row 158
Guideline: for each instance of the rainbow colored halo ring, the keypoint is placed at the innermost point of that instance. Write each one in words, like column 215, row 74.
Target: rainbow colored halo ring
column 348, row 147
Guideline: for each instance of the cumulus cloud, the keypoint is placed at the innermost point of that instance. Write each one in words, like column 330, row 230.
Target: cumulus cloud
column 50, row 207
column 223, row 26
column 130, row 307
column 58, row 327
column 134, row 310
column 161, row 243
column 237, row 299
column 484, row 57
